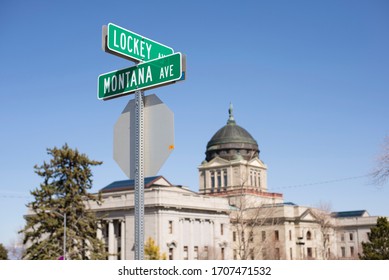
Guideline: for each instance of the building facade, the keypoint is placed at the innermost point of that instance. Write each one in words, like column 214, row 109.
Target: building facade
column 232, row 216
column 185, row 224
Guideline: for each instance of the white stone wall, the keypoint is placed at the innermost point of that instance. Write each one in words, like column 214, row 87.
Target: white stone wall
column 195, row 232
column 196, row 223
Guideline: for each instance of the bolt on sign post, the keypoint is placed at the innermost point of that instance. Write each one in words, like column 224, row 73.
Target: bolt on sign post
column 157, row 65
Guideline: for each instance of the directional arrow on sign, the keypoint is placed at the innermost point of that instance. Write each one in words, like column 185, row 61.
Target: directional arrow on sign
column 159, row 136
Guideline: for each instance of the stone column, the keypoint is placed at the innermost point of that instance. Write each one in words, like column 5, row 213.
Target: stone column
column 122, row 239
column 201, row 245
column 212, row 250
column 99, row 233
column 180, row 235
column 191, row 233
column 111, row 240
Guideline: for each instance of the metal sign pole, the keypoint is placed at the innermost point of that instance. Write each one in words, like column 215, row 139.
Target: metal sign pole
column 139, row 176
column 153, row 72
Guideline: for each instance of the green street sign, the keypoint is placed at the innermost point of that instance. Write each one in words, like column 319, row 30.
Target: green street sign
column 130, row 45
column 151, row 74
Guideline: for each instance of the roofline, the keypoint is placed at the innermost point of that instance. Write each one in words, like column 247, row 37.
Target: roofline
column 130, row 186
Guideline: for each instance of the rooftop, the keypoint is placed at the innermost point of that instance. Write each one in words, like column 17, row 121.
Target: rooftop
column 129, row 184
column 232, row 141
column 350, row 214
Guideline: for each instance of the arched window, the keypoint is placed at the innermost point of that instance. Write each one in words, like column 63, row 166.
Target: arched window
column 309, row 235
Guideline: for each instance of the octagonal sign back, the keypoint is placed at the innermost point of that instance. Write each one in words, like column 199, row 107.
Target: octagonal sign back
column 158, row 137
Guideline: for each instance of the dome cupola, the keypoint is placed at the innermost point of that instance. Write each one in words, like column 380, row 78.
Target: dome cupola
column 232, row 142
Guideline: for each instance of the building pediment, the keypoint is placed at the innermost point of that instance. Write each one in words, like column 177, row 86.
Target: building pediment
column 257, row 163
column 308, row 216
column 217, row 161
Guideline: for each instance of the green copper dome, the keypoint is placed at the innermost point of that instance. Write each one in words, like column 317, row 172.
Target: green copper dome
column 232, row 142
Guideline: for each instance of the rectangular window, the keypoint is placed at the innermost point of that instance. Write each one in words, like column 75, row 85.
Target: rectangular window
column 343, row 250
column 342, row 237
column 291, row 253
column 234, row 236
column 352, row 251
column 221, row 229
column 222, row 253
column 235, row 254
column 204, row 180
column 205, row 252
column 212, row 181
column 106, row 231
column 170, row 229
column 309, row 252
column 351, row 236
column 170, row 253
column 290, row 235
column 259, row 179
column 219, row 181
column 119, row 228
column 276, row 235
column 225, row 178
column 196, row 252
column 186, row 255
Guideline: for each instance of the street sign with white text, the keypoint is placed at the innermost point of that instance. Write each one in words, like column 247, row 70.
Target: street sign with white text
column 137, row 150
column 151, row 74
column 130, row 45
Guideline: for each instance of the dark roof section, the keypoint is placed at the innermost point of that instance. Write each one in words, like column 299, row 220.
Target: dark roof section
column 129, row 184
column 281, row 204
column 348, row 214
column 232, row 133
column 231, row 141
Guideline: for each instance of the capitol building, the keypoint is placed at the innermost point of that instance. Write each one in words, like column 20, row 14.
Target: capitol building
column 231, row 216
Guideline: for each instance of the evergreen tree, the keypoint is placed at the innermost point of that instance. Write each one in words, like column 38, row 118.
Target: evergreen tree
column 3, row 252
column 152, row 251
column 377, row 248
column 63, row 193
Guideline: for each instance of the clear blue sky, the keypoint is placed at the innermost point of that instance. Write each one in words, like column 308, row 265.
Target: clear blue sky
column 308, row 79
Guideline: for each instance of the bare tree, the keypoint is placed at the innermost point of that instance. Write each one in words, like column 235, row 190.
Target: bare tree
column 326, row 228
column 381, row 173
column 251, row 220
